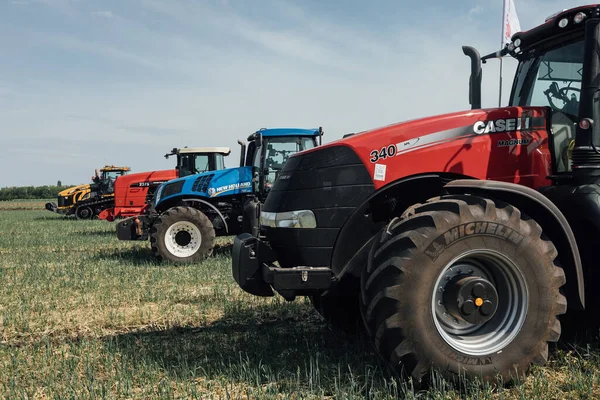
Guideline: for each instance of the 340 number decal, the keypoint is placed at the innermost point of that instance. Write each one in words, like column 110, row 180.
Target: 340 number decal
column 385, row 152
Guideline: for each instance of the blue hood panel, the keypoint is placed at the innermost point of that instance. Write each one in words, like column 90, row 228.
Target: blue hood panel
column 224, row 182
column 227, row 182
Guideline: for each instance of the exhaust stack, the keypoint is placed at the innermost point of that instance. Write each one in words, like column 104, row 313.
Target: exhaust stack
column 475, row 79
column 242, row 152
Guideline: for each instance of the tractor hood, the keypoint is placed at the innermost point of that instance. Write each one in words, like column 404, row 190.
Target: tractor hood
column 143, row 179
column 220, row 183
column 72, row 190
column 484, row 132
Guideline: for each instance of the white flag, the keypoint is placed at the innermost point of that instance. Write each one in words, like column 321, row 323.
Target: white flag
column 510, row 22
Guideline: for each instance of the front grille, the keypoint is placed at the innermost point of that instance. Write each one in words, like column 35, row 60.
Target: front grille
column 172, row 188
column 201, row 184
column 330, row 181
column 62, row 202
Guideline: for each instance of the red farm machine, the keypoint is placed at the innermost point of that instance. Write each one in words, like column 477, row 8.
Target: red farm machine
column 134, row 191
column 461, row 242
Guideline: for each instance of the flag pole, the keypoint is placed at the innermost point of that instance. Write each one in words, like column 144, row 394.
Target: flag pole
column 500, row 86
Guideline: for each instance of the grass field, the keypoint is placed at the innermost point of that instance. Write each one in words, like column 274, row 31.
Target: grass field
column 83, row 315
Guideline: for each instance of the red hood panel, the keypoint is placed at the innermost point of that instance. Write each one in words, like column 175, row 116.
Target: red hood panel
column 147, row 176
column 132, row 190
column 508, row 144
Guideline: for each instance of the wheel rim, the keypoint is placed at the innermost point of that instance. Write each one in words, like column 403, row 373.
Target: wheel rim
column 85, row 213
column 497, row 274
column 183, row 239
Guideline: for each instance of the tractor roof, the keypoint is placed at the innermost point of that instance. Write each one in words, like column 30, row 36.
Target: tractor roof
column 279, row 132
column 539, row 34
column 220, row 150
column 270, row 132
column 107, row 168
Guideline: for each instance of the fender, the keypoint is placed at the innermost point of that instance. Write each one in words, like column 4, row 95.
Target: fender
column 352, row 244
column 215, row 209
column 546, row 213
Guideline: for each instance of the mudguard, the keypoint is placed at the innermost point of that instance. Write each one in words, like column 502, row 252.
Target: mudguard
column 546, row 213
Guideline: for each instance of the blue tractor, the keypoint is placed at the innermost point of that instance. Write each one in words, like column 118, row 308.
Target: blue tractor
column 187, row 213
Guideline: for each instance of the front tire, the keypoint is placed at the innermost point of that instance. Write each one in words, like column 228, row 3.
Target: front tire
column 465, row 285
column 182, row 234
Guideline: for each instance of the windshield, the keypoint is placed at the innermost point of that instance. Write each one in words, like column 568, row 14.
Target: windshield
column 194, row 164
column 551, row 78
column 111, row 175
column 279, row 150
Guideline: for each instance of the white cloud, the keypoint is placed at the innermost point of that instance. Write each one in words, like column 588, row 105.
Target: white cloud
column 73, row 43
column 478, row 9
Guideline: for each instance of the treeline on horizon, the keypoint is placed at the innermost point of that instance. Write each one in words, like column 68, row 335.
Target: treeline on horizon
column 31, row 192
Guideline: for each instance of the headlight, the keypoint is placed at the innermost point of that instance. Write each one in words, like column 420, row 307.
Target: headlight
column 289, row 219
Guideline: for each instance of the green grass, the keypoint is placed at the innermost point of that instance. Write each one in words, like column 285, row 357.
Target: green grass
column 83, row 315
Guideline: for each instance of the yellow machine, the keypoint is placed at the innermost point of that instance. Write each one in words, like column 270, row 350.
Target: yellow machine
column 71, row 200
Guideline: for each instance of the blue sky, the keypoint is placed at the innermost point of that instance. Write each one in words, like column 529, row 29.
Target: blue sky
column 84, row 83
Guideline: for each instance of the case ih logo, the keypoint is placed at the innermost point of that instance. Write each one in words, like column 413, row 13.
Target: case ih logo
column 508, row 125
column 463, row 231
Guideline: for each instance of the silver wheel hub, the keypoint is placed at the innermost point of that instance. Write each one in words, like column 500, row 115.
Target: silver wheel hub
column 480, row 302
column 183, row 239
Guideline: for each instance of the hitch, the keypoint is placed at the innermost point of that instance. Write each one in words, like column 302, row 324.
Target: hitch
column 297, row 281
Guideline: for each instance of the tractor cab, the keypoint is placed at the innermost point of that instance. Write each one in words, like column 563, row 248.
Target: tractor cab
column 105, row 182
column 196, row 160
column 558, row 69
column 269, row 149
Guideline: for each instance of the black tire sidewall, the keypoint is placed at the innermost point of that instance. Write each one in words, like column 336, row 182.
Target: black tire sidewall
column 78, row 213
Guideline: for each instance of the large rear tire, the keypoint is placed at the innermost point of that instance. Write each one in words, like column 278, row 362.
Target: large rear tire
column 182, row 234
column 466, row 286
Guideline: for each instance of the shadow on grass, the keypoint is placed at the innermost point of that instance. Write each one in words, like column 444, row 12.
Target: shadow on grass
column 288, row 345
column 54, row 217
column 143, row 255
column 96, row 233
column 137, row 256
column 222, row 249
column 19, row 209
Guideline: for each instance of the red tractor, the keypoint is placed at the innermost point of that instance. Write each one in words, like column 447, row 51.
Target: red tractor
column 133, row 192
column 457, row 240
